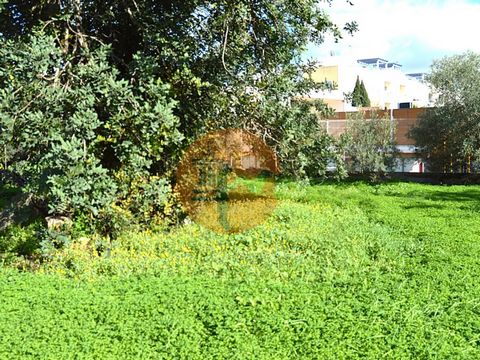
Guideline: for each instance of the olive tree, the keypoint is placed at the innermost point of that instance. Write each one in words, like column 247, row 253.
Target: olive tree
column 449, row 134
column 369, row 142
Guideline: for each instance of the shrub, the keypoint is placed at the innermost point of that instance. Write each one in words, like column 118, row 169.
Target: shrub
column 19, row 241
column 83, row 141
column 369, row 143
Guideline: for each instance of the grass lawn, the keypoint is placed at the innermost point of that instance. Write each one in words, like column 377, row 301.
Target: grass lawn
column 338, row 271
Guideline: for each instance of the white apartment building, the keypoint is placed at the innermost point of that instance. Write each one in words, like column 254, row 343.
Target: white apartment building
column 388, row 87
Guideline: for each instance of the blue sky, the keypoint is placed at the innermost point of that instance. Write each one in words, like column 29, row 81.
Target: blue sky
column 412, row 33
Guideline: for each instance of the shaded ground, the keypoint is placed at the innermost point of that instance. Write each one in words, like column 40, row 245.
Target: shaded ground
column 15, row 207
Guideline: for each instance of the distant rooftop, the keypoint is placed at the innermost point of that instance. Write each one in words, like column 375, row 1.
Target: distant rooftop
column 379, row 63
column 417, row 76
column 373, row 61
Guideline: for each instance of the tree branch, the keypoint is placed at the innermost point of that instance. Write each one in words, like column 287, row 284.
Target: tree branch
column 225, row 40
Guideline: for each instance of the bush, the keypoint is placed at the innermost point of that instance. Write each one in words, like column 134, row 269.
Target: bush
column 20, row 241
column 369, row 143
column 83, row 141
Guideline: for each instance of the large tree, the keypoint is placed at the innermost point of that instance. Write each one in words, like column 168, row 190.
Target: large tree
column 449, row 134
column 99, row 97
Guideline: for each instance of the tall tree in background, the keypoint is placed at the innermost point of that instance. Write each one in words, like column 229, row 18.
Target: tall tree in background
column 359, row 94
column 99, row 97
column 364, row 93
column 449, row 133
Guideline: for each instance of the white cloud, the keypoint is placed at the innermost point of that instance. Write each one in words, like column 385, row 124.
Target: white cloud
column 399, row 30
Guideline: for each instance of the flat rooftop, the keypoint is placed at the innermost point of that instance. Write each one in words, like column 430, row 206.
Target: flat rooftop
column 379, row 62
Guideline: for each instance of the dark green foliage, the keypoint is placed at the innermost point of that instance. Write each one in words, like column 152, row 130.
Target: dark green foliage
column 356, row 94
column 19, row 241
column 449, row 133
column 7, row 193
column 438, row 136
column 364, row 95
column 96, row 97
column 359, row 95
column 88, row 142
column 369, row 143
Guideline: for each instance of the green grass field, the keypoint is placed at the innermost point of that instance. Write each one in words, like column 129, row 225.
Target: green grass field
column 338, row 271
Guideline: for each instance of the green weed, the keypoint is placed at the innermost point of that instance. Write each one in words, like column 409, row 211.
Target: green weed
column 338, row 271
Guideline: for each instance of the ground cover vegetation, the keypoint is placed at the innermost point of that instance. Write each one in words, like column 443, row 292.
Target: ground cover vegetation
column 350, row 270
column 98, row 101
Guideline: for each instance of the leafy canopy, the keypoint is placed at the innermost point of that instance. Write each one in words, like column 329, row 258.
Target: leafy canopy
column 98, row 98
column 450, row 132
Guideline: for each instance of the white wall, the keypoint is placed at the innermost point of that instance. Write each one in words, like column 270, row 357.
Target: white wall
column 411, row 165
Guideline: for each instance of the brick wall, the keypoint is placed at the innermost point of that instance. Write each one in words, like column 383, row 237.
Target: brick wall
column 404, row 118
